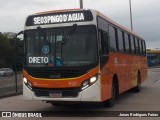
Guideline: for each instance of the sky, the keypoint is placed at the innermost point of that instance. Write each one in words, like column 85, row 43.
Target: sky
column 145, row 14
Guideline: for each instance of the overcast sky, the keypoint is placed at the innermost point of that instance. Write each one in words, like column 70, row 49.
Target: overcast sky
column 146, row 15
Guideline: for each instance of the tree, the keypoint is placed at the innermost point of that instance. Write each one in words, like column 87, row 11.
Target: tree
column 8, row 50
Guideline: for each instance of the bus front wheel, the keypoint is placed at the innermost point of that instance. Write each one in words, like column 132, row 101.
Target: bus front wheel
column 111, row 101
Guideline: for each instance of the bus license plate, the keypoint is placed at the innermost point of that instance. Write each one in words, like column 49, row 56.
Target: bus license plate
column 55, row 94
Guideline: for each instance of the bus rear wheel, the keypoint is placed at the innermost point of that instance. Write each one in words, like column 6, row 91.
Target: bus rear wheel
column 138, row 87
column 111, row 101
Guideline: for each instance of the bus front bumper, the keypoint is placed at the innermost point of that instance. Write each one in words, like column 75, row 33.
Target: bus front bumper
column 90, row 94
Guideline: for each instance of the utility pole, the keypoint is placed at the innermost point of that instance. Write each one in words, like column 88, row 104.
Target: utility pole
column 15, row 38
column 15, row 68
column 81, row 4
column 131, row 14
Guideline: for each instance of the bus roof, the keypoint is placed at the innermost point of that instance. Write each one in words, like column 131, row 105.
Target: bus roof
column 57, row 11
column 98, row 13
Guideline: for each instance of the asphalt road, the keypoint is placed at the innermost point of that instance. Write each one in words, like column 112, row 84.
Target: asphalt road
column 147, row 100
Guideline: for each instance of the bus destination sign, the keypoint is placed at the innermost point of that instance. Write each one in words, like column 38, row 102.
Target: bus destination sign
column 54, row 18
column 58, row 18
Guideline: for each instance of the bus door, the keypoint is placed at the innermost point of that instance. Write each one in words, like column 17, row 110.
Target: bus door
column 104, row 57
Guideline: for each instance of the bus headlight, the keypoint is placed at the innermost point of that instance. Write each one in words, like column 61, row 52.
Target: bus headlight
column 25, row 80
column 27, row 83
column 89, row 82
column 93, row 79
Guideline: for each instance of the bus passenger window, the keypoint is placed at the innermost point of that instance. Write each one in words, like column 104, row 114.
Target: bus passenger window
column 104, row 42
column 132, row 44
column 144, row 48
column 120, row 41
column 126, row 39
column 137, row 45
column 112, row 35
column 140, row 47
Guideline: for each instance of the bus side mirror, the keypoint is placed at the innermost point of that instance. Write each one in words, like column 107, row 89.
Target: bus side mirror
column 20, row 44
column 21, row 32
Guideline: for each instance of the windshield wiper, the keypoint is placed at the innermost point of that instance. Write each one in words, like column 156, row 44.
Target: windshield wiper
column 67, row 37
column 40, row 30
column 70, row 33
column 72, row 30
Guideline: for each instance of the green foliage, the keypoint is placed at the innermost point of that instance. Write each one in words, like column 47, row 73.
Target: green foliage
column 8, row 51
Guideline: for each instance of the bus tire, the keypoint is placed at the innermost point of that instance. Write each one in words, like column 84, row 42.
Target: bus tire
column 111, row 101
column 137, row 89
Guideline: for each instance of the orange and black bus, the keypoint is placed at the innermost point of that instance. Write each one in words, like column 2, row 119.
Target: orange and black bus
column 80, row 56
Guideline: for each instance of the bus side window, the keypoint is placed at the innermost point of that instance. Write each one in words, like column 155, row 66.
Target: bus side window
column 144, row 48
column 132, row 44
column 126, row 39
column 120, row 41
column 140, row 46
column 137, row 45
column 104, row 49
column 113, row 41
column 104, row 42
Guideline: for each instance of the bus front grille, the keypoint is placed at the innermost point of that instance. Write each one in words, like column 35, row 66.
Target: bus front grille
column 64, row 92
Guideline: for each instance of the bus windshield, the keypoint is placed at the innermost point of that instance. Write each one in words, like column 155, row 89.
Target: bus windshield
column 54, row 47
